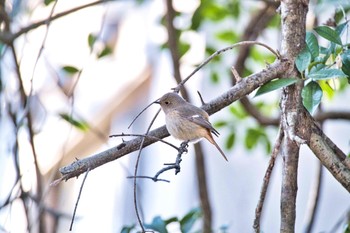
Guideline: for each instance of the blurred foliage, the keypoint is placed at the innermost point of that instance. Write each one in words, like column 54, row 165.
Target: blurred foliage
column 77, row 123
column 159, row 224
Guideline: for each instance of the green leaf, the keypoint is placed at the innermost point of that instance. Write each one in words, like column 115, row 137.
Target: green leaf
column 275, row 21
column 187, row 222
column 329, row 34
column 214, row 77
column 47, row 2
column 312, row 44
column 326, row 74
column 127, row 229
column 235, row 8
column 220, row 124
column 238, row 111
column 183, row 48
column 254, row 135
column 312, row 96
column 340, row 28
column 105, row 52
column 170, row 220
column 227, row 36
column 215, row 12
column 91, row 40
column 70, row 69
column 252, row 138
column 345, row 58
column 197, row 18
column 275, row 84
column 303, row 60
column 158, row 224
column 79, row 124
column 230, row 141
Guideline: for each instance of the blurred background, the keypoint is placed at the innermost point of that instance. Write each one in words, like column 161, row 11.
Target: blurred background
column 79, row 71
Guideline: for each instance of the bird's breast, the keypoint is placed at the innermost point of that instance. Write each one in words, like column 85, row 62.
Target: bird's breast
column 182, row 128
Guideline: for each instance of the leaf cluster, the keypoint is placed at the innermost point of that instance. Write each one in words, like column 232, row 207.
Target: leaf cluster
column 319, row 66
column 159, row 224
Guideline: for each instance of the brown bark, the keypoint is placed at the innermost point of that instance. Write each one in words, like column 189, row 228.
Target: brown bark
column 293, row 41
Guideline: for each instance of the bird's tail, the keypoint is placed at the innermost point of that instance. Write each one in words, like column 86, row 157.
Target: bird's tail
column 212, row 141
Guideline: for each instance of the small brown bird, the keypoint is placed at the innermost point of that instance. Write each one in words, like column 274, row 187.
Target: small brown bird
column 187, row 122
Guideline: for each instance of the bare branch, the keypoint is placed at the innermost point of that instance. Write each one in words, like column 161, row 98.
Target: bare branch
column 330, row 155
column 314, row 197
column 341, row 115
column 254, row 28
column 206, row 61
column 141, row 146
column 257, row 115
column 77, row 202
column 266, row 182
column 169, row 166
column 146, row 136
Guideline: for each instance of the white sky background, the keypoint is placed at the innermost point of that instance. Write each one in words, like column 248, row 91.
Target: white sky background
column 106, row 203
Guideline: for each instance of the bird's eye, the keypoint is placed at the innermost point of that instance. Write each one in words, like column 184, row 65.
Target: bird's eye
column 166, row 102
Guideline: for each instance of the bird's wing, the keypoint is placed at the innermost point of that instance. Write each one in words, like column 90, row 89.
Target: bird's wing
column 197, row 116
column 202, row 121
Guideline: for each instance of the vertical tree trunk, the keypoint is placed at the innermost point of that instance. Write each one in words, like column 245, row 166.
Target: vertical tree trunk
column 293, row 12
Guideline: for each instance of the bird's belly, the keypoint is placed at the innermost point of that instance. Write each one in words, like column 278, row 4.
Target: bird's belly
column 184, row 129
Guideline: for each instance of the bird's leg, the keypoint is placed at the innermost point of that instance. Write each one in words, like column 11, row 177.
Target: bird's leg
column 183, row 147
column 176, row 165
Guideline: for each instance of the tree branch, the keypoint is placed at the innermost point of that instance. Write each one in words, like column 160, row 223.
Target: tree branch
column 326, row 151
column 242, row 88
column 266, row 182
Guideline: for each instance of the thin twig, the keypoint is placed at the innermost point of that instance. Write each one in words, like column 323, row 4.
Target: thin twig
column 266, row 181
column 235, row 74
column 39, row 188
column 218, row 52
column 135, row 172
column 144, row 135
column 77, row 202
column 140, row 114
column 155, row 179
column 200, row 97
column 169, row 166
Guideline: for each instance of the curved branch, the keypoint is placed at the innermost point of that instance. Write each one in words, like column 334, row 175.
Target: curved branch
column 244, row 87
column 218, row 52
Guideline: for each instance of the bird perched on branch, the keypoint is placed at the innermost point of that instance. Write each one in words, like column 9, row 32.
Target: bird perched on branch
column 187, row 122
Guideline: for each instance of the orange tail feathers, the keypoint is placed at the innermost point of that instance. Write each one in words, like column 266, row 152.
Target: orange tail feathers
column 212, row 141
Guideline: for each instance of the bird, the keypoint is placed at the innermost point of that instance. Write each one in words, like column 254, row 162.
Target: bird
column 187, row 122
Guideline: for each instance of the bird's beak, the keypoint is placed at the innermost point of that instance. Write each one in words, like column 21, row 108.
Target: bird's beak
column 156, row 102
